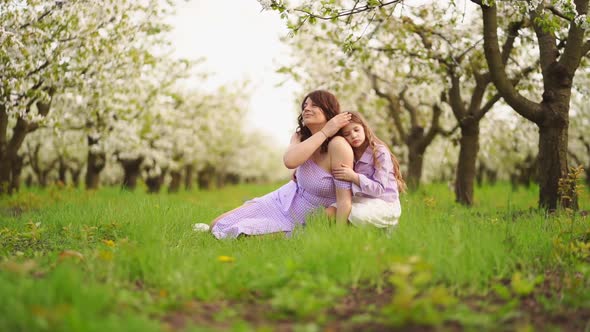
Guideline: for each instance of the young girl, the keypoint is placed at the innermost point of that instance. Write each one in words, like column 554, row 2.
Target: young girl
column 376, row 179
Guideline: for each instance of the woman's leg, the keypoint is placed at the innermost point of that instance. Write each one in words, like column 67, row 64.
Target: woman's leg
column 331, row 212
column 225, row 214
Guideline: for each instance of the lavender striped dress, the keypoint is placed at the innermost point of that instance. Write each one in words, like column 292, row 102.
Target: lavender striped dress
column 284, row 208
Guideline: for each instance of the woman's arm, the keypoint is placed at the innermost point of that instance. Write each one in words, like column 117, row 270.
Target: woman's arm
column 341, row 154
column 298, row 152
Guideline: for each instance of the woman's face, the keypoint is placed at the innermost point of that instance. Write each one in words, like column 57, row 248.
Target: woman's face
column 312, row 114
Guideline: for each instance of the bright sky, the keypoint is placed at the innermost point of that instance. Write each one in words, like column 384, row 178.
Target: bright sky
column 241, row 42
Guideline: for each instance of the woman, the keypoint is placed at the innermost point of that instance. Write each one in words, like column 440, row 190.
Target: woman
column 314, row 154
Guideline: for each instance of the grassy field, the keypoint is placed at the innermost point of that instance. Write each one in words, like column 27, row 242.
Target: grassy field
column 109, row 260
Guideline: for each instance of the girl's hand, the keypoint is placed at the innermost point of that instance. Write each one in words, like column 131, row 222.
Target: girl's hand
column 345, row 173
column 336, row 123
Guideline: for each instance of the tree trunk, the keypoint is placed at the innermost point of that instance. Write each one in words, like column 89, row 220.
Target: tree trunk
column 205, row 177
column 95, row 165
column 154, row 183
column 29, row 180
column 17, row 167
column 62, row 169
column 188, row 177
column 415, row 161
column 468, row 149
column 552, row 164
column 220, row 179
column 8, row 155
column 176, row 180
column 42, row 178
column 131, row 169
column 75, row 176
column 5, row 172
column 482, row 172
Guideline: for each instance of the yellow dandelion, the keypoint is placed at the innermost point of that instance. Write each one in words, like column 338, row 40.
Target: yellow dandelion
column 225, row 259
column 109, row 243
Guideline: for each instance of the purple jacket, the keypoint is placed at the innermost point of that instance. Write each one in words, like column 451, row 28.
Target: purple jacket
column 376, row 182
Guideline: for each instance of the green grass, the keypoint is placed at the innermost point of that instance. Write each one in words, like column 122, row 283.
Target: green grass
column 73, row 260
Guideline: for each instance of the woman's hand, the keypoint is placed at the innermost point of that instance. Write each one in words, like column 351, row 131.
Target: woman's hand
column 345, row 173
column 336, row 123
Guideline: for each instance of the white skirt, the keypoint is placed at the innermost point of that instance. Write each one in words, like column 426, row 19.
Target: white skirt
column 374, row 212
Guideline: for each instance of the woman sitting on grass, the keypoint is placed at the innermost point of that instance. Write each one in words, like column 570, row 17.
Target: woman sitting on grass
column 376, row 179
column 314, row 153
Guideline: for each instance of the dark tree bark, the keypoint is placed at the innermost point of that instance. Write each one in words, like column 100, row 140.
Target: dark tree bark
column 76, row 176
column 485, row 174
column 9, row 148
column 17, row 167
column 464, row 180
column 524, row 173
column 95, row 164
column 154, row 183
column 188, row 177
column 415, row 161
column 62, row 170
column 551, row 115
column 175, row 181
column 29, row 181
column 41, row 172
column 131, row 170
column 205, row 177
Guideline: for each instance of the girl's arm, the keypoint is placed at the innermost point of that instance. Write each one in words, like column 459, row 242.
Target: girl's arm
column 382, row 178
column 346, row 173
column 341, row 153
column 298, row 152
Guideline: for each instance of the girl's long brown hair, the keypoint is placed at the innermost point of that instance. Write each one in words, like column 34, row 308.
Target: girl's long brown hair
column 373, row 141
column 329, row 105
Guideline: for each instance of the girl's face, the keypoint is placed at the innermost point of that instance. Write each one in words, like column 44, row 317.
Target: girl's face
column 354, row 133
column 312, row 114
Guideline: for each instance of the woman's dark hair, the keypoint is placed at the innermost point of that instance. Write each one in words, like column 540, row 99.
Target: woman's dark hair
column 329, row 105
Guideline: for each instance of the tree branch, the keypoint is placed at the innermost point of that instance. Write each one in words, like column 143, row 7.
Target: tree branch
column 513, row 29
column 347, row 12
column 39, row 19
column 556, row 12
column 487, row 107
column 448, row 133
column 520, row 104
column 412, row 109
column 38, row 69
column 434, row 126
column 455, row 99
column 573, row 52
column 393, row 104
